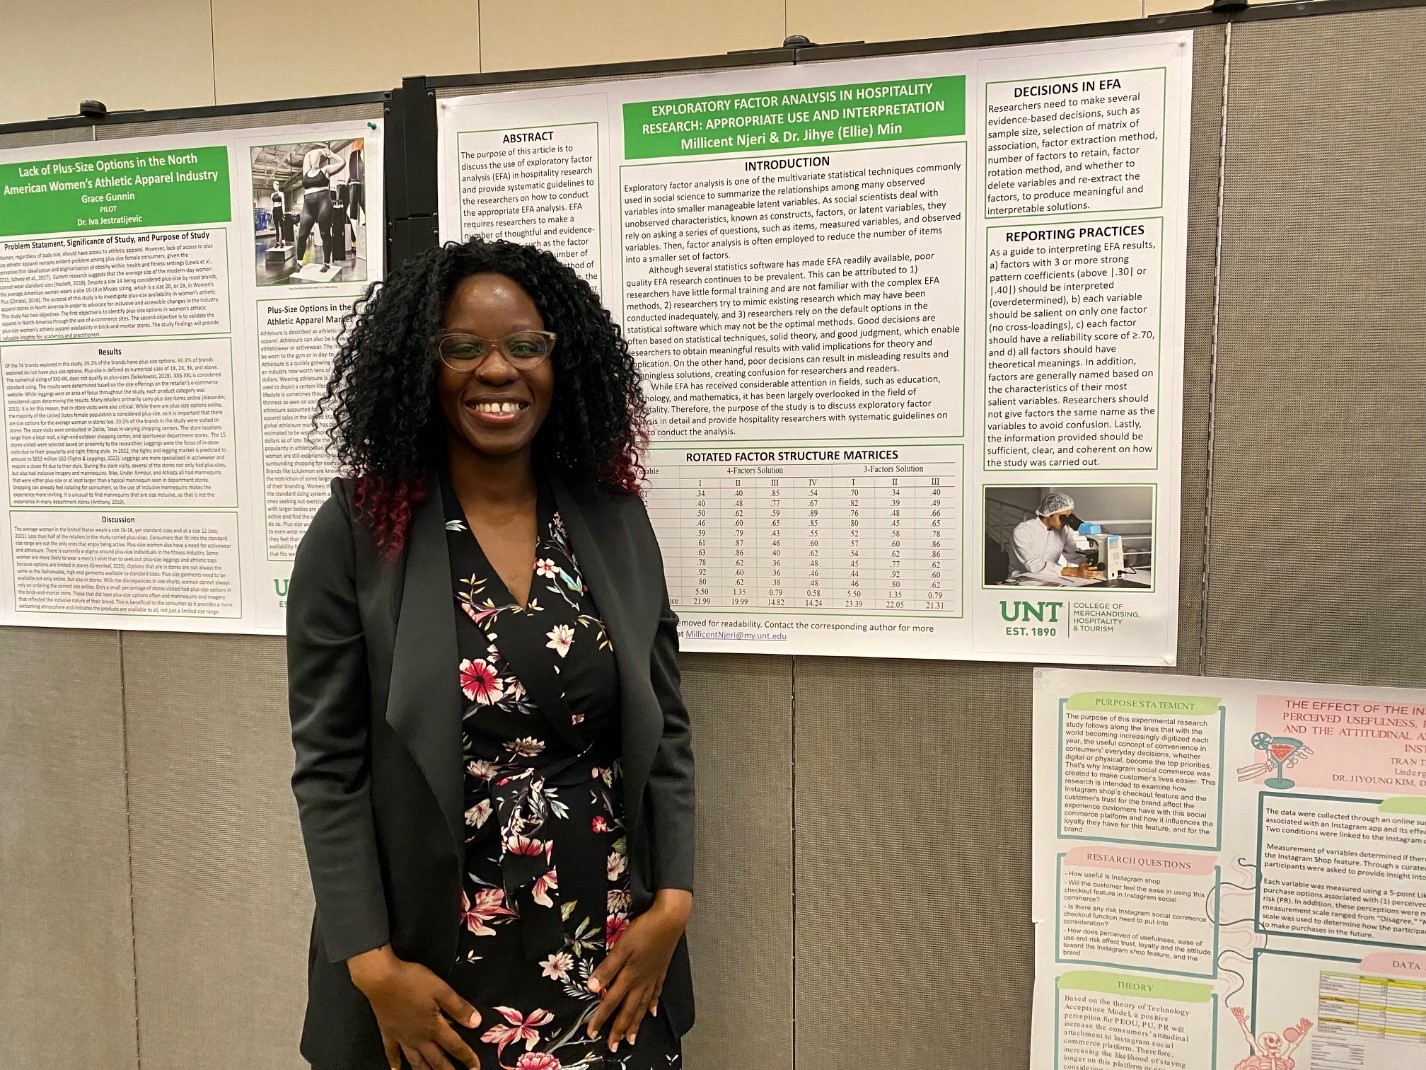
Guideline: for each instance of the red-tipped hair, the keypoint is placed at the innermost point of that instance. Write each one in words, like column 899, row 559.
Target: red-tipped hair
column 627, row 472
column 385, row 505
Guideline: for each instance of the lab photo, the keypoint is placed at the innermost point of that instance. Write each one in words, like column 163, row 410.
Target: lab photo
column 309, row 212
column 1069, row 536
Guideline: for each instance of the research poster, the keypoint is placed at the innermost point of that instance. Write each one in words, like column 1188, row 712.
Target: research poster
column 169, row 309
column 1228, row 875
column 885, row 310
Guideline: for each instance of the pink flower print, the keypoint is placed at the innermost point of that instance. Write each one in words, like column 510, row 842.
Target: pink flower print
column 545, row 568
column 478, row 814
column 480, row 683
column 560, row 637
column 557, row 966
column 600, row 823
column 538, row 1060
column 525, row 747
column 596, row 773
column 617, row 864
column 525, row 845
column 543, row 886
column 614, row 928
column 489, row 904
column 479, row 613
column 518, row 1027
column 618, row 901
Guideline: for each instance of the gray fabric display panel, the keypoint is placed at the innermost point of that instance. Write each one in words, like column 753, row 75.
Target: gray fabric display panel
column 222, row 905
column 913, row 864
column 1321, row 440
column 31, row 138
column 66, row 942
column 741, row 936
column 110, row 131
column 1200, row 281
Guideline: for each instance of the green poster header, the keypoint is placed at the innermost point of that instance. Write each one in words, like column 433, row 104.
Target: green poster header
column 796, row 118
column 1404, row 804
column 1125, row 702
column 162, row 188
column 1136, row 986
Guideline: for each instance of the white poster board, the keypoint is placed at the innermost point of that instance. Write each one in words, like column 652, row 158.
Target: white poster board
column 881, row 307
column 1228, row 874
column 169, row 308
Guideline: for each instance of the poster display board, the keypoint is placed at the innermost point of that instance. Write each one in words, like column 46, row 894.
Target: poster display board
column 169, row 308
column 883, row 308
column 1228, row 874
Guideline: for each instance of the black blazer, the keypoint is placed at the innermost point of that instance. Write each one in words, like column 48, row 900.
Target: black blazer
column 376, row 724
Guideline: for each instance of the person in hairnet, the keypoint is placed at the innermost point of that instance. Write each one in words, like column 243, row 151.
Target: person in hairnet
column 1042, row 548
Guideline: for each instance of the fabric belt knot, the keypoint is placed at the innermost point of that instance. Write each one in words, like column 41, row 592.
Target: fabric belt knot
column 527, row 863
column 522, row 802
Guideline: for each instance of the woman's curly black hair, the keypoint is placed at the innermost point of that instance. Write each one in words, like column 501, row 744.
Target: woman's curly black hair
column 386, row 427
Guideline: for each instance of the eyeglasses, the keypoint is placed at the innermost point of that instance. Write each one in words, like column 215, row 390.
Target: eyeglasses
column 466, row 352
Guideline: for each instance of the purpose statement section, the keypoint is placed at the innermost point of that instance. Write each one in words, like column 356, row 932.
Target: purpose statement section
column 539, row 186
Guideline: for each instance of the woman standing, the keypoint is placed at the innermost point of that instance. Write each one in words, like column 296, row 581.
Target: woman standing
column 494, row 769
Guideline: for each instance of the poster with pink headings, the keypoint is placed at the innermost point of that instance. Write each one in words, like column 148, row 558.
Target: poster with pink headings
column 1229, row 874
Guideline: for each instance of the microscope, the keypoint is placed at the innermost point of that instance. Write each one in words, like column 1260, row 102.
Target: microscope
column 1103, row 551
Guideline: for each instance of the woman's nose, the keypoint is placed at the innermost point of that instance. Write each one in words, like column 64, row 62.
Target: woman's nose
column 495, row 368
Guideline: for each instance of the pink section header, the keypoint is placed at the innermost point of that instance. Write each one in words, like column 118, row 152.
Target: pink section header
column 1395, row 964
column 1341, row 745
column 1139, row 861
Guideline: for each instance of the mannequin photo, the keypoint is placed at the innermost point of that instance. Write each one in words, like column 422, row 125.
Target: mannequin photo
column 309, row 213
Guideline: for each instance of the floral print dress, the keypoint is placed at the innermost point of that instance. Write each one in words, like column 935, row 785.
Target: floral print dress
column 546, row 885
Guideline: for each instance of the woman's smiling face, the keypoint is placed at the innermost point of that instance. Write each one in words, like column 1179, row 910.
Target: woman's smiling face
column 495, row 409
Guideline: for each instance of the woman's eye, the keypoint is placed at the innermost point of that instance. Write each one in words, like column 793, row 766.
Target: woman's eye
column 464, row 349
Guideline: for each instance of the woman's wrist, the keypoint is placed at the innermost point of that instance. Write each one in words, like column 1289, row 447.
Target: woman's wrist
column 370, row 967
column 673, row 904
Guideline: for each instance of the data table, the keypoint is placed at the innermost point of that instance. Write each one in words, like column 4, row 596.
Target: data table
column 852, row 536
column 1369, row 1023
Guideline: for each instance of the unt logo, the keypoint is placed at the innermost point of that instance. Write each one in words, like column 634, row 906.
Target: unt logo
column 280, row 586
column 1040, row 611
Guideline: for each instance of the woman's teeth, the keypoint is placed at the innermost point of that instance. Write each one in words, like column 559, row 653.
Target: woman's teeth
column 500, row 406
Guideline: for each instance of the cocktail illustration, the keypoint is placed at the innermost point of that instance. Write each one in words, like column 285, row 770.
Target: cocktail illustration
column 1281, row 751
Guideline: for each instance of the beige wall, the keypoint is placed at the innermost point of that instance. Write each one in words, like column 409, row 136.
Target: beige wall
column 140, row 54
column 371, row 45
column 155, row 54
